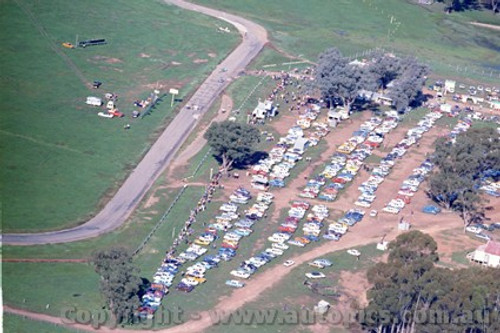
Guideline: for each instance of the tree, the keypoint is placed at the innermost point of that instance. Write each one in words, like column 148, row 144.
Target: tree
column 233, row 143
column 412, row 246
column 336, row 78
column 494, row 5
column 385, row 68
column 409, row 82
column 410, row 283
column 461, row 167
column 119, row 283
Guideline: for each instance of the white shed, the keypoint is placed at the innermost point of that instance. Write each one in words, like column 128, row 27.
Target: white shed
column 487, row 254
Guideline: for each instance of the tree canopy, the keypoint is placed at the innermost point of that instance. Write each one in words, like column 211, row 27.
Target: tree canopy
column 119, row 282
column 408, row 84
column 336, row 78
column 462, row 5
column 411, row 294
column 233, row 143
column 461, row 167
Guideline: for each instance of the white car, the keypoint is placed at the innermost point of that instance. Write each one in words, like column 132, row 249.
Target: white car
column 365, row 204
column 276, row 239
column 315, row 275
column 273, row 251
column 296, row 243
column 189, row 281
column 280, row 246
column 354, row 252
column 373, row 213
column 240, row 274
column 235, row 283
column 289, row 263
column 316, row 264
column 473, row 229
column 391, row 210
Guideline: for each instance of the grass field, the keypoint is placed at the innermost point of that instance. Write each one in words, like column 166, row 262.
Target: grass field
column 15, row 323
column 34, row 285
column 60, row 161
column 306, row 28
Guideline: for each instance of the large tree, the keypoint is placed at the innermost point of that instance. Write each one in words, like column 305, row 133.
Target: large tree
column 119, row 282
column 461, row 167
column 233, row 143
column 385, row 68
column 337, row 78
column 408, row 84
column 410, row 285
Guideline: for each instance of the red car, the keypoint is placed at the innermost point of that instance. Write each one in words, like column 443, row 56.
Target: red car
column 229, row 246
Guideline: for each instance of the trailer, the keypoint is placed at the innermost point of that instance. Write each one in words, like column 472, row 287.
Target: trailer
column 91, row 42
column 94, row 101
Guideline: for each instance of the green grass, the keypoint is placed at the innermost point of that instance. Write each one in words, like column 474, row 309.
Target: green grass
column 308, row 27
column 14, row 323
column 60, row 161
column 33, row 286
column 129, row 235
column 459, row 257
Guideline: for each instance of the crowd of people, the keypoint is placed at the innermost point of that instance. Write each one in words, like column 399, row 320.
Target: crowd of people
column 200, row 206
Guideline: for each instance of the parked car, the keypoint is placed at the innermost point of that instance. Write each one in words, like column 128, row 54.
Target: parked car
column 316, row 264
column 324, row 262
column 354, row 252
column 315, row 275
column 473, row 229
column 235, row 283
column 483, row 236
column 431, row 209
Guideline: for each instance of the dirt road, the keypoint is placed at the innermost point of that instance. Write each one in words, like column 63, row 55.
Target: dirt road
column 119, row 208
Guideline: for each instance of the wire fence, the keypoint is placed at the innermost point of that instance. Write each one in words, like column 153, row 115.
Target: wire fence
column 461, row 69
column 172, row 205
column 245, row 100
column 160, row 222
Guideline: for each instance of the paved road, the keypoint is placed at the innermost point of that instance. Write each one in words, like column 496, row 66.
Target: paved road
column 119, row 208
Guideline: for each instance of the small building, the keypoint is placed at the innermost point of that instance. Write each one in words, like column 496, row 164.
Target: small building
column 382, row 99
column 264, row 110
column 487, row 254
column 449, row 86
column 445, row 108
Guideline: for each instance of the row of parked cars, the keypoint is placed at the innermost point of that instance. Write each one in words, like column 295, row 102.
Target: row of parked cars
column 348, row 159
column 273, row 170
column 349, row 164
column 411, row 184
column 380, row 172
column 278, row 239
column 224, row 226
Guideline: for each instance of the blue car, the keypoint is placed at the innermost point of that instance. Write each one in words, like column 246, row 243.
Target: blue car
column 430, row 209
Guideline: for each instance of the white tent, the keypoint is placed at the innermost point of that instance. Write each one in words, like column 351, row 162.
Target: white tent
column 300, row 145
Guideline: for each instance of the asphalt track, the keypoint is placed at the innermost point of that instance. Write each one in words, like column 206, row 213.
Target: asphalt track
column 161, row 153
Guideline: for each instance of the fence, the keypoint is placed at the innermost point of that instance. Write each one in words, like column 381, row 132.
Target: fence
column 160, row 222
column 462, row 69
